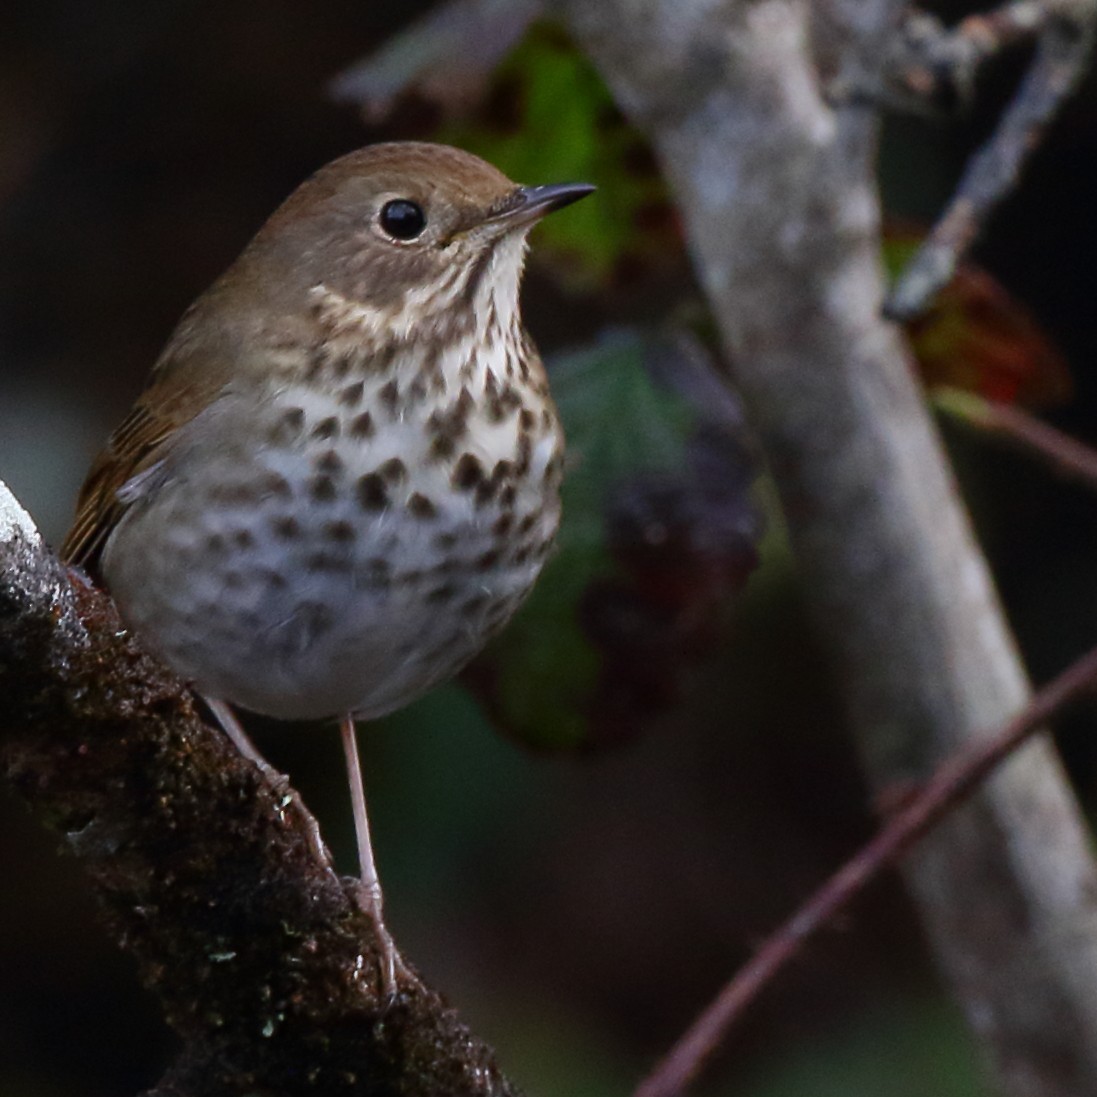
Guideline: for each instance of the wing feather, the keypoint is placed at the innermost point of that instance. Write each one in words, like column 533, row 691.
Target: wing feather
column 141, row 440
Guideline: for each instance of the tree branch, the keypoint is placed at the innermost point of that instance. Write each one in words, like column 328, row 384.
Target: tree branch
column 447, row 56
column 1063, row 454
column 776, row 188
column 929, row 66
column 952, row 782
column 261, row 961
column 1063, row 51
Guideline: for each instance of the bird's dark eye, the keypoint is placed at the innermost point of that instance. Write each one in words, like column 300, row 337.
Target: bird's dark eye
column 403, row 219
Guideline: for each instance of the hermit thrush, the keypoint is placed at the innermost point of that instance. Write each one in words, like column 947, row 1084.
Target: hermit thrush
column 343, row 477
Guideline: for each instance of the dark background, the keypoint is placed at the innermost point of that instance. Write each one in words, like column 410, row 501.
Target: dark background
column 578, row 910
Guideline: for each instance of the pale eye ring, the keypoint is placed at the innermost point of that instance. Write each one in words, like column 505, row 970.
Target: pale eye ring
column 402, row 219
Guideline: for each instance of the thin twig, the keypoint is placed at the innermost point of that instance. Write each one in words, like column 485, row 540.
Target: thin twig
column 1066, row 455
column 944, row 790
column 447, row 56
column 929, row 63
column 1064, row 47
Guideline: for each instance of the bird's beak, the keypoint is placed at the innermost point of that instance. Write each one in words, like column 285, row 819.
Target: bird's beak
column 525, row 205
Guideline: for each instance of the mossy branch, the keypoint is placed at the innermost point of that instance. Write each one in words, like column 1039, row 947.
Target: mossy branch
column 258, row 955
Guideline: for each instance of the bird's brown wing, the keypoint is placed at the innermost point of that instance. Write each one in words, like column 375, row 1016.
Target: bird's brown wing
column 173, row 398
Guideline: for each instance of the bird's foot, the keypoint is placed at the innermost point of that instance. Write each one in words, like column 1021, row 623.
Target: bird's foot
column 389, row 963
column 289, row 797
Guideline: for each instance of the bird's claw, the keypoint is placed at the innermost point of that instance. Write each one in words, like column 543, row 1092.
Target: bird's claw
column 389, row 963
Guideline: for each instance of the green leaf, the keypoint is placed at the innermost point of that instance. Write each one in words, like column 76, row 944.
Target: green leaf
column 560, row 674
column 549, row 118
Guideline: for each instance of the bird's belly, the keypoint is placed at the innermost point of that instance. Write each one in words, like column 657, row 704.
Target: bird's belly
column 326, row 593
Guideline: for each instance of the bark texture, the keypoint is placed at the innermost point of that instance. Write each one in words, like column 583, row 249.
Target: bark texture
column 776, row 187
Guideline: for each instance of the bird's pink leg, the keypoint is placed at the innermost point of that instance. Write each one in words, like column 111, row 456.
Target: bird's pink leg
column 235, row 731
column 369, row 887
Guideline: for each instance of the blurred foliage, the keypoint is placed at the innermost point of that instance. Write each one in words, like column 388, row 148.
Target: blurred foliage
column 659, row 530
column 978, row 337
column 547, row 117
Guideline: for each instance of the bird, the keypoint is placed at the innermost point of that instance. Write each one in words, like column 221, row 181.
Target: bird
column 343, row 476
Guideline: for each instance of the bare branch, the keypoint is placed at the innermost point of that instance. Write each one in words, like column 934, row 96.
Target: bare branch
column 952, row 782
column 1062, row 54
column 447, row 56
column 261, row 961
column 928, row 65
column 1064, row 454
